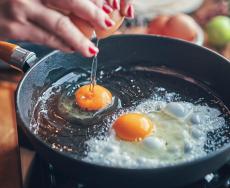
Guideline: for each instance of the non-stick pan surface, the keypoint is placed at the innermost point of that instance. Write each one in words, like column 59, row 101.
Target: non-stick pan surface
column 191, row 62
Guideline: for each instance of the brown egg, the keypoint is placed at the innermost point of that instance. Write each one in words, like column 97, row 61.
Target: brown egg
column 156, row 25
column 83, row 25
column 181, row 26
column 117, row 18
column 88, row 30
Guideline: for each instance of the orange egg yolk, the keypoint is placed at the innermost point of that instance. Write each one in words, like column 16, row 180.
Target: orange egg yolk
column 89, row 100
column 133, row 127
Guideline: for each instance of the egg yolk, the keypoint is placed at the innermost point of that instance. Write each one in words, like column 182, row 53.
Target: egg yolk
column 133, row 127
column 89, row 100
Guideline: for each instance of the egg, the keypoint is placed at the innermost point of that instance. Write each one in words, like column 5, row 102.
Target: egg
column 133, row 127
column 148, row 138
column 96, row 99
column 195, row 119
column 169, row 137
column 181, row 26
column 88, row 30
column 82, row 25
column 177, row 110
column 153, row 143
column 117, row 18
column 178, row 26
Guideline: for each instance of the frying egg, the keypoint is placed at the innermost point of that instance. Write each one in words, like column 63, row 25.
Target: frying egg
column 96, row 99
column 150, row 137
column 177, row 110
column 168, row 141
column 83, row 106
column 133, row 127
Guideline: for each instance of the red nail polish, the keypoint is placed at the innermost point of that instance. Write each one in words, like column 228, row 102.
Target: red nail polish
column 116, row 4
column 107, row 9
column 108, row 23
column 130, row 12
column 93, row 51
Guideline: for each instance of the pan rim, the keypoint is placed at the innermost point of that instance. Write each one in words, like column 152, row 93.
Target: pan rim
column 184, row 164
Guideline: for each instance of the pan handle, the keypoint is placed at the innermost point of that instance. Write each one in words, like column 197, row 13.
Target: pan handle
column 16, row 56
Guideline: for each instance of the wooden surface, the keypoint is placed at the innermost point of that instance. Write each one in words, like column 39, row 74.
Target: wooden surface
column 10, row 170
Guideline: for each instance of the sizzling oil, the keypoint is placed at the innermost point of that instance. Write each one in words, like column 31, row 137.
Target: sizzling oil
column 129, row 86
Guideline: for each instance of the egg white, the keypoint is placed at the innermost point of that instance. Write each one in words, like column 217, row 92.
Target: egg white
column 180, row 135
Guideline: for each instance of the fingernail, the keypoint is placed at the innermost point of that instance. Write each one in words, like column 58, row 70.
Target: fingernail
column 107, row 9
column 130, row 12
column 116, row 4
column 93, row 50
column 109, row 23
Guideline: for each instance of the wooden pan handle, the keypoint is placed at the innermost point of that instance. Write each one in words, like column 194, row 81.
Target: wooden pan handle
column 6, row 50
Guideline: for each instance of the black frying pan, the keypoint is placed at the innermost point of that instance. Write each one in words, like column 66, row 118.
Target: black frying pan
column 197, row 63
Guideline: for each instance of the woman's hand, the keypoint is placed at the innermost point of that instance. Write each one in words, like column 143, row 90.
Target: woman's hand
column 125, row 6
column 46, row 21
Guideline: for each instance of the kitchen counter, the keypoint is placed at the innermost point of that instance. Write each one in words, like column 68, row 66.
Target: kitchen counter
column 10, row 169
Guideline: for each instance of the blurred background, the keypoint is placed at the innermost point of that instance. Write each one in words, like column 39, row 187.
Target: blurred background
column 204, row 22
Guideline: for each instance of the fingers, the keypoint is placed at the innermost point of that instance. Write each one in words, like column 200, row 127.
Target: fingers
column 107, row 9
column 125, row 7
column 40, row 36
column 99, row 3
column 103, row 5
column 32, row 33
column 114, row 3
column 86, row 10
column 61, row 26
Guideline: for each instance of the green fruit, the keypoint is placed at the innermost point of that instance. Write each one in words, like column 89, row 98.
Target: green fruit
column 218, row 30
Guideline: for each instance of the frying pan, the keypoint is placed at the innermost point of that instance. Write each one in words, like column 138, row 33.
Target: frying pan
column 211, row 69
